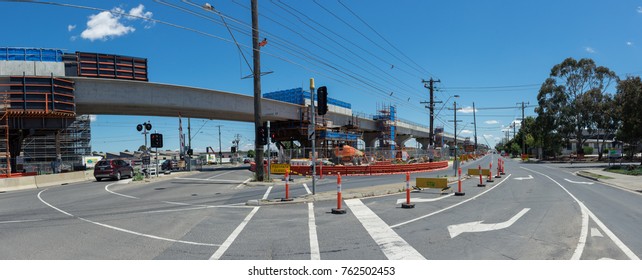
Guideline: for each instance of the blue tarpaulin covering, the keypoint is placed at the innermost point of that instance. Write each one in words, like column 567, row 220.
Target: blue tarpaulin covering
column 30, row 54
column 298, row 96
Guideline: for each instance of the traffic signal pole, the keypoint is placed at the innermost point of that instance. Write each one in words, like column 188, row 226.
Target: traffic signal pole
column 313, row 123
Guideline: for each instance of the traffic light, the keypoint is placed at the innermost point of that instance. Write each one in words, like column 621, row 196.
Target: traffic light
column 156, row 139
column 190, row 152
column 273, row 136
column 322, row 100
column 262, row 135
column 233, row 149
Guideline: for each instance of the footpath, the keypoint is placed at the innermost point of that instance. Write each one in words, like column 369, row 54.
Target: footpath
column 622, row 181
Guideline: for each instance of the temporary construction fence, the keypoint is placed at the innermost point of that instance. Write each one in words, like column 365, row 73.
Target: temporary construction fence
column 370, row 155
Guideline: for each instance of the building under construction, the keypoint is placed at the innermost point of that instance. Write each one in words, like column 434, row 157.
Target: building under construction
column 38, row 121
column 327, row 134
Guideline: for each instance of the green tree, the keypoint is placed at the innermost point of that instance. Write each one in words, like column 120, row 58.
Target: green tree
column 629, row 98
column 562, row 104
column 251, row 153
column 142, row 148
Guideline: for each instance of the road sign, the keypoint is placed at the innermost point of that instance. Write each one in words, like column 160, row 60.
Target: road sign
column 146, row 160
column 278, row 168
column 475, row 171
column 433, row 183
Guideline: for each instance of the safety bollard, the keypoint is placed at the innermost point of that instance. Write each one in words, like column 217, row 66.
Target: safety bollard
column 459, row 192
column 481, row 184
column 287, row 186
column 498, row 169
column 407, row 204
column 490, row 173
column 338, row 210
column 321, row 171
column 503, row 173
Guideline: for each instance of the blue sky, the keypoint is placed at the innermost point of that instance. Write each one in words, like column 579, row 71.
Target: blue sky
column 492, row 53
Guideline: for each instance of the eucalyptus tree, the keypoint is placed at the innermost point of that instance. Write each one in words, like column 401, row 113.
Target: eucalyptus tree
column 629, row 100
column 562, row 107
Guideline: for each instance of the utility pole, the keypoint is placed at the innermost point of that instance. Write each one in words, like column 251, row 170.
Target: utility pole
column 431, row 106
column 256, row 54
column 456, row 162
column 313, row 136
column 220, row 152
column 523, row 132
column 475, row 123
column 189, row 145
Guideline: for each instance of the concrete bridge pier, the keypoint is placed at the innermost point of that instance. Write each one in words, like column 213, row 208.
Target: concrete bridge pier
column 400, row 139
column 425, row 142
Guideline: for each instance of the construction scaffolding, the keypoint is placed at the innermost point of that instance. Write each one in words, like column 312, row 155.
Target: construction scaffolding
column 5, row 154
column 386, row 124
column 74, row 142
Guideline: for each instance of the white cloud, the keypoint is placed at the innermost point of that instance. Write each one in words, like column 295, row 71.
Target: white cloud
column 93, row 118
column 489, row 136
column 589, row 50
column 466, row 131
column 139, row 12
column 109, row 24
column 467, row 110
column 71, row 27
column 639, row 9
column 491, row 122
column 105, row 25
column 629, row 43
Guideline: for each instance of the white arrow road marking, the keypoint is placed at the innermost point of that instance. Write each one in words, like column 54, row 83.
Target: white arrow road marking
column 418, row 200
column 574, row 182
column 479, row 227
column 524, row 178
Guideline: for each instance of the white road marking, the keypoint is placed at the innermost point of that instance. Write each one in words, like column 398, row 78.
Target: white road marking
column 314, row 240
column 267, row 193
column 20, row 221
column 119, row 183
column 477, row 226
column 221, row 174
column 596, row 233
column 419, row 200
column 177, row 203
column 122, row 229
column 199, row 207
column 524, row 178
column 230, row 239
column 392, row 245
column 306, row 188
column 574, row 182
column 211, row 180
column 451, row 206
column 584, row 232
column 244, row 182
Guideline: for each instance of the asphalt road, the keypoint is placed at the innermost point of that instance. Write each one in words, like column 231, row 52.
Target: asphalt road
column 535, row 211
